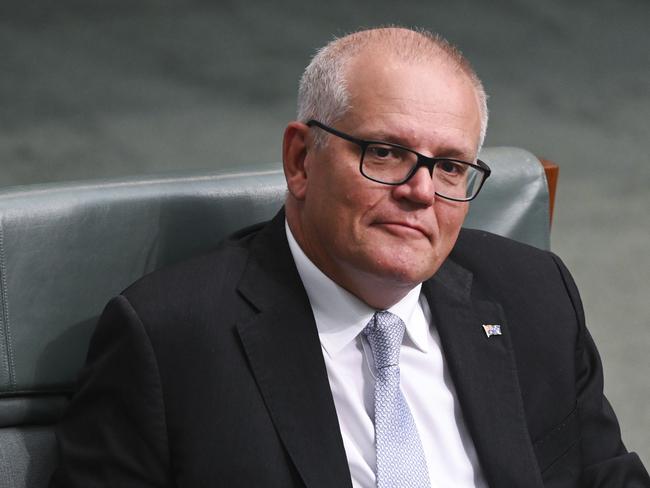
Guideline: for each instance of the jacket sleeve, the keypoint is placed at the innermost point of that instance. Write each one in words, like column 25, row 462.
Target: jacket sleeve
column 605, row 460
column 114, row 432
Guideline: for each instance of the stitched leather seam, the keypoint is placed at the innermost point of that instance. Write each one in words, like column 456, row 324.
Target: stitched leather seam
column 9, row 365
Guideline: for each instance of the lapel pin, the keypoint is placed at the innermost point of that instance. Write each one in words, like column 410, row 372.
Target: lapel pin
column 492, row 329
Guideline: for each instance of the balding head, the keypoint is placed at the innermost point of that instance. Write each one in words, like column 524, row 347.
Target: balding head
column 323, row 94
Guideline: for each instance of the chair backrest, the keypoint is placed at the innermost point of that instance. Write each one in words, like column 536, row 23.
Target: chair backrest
column 65, row 249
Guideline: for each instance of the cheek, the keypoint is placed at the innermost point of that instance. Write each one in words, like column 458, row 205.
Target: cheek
column 450, row 216
column 339, row 208
column 356, row 204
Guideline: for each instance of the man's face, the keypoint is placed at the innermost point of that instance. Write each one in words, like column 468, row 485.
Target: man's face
column 362, row 233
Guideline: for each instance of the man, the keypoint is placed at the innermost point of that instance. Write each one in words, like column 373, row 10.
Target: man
column 359, row 338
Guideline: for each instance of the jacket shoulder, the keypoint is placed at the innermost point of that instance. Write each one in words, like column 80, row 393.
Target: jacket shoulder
column 485, row 253
column 471, row 240
column 513, row 272
column 199, row 279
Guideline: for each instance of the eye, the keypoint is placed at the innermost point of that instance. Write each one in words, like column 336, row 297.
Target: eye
column 386, row 154
column 381, row 152
column 451, row 167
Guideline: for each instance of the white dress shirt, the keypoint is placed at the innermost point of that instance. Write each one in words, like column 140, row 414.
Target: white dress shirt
column 340, row 318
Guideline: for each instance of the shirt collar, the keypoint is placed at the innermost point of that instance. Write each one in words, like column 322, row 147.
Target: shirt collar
column 340, row 316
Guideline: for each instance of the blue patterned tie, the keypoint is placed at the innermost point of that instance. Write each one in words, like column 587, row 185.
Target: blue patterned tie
column 400, row 459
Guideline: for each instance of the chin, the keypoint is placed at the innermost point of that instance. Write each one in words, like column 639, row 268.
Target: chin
column 402, row 271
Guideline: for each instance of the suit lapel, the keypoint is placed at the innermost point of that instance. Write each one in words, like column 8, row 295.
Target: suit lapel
column 485, row 377
column 282, row 346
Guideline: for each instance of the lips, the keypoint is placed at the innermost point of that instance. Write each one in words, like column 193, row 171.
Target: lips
column 403, row 227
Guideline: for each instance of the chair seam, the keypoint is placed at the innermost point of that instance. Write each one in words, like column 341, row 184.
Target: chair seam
column 8, row 363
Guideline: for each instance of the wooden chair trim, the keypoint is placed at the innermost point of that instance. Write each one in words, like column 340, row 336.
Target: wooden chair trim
column 552, row 171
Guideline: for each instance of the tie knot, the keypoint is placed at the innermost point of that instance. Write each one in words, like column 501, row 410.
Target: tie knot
column 385, row 332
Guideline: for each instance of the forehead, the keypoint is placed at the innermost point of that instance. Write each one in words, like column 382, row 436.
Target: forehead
column 425, row 100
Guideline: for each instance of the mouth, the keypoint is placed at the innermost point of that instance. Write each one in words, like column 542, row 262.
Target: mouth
column 403, row 228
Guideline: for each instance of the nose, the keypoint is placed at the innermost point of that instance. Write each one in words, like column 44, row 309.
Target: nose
column 419, row 189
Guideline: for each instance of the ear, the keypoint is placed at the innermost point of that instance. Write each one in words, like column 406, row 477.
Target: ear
column 294, row 154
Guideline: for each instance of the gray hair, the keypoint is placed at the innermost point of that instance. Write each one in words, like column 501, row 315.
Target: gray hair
column 323, row 92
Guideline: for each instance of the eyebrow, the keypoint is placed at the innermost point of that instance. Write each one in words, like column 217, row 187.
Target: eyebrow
column 392, row 138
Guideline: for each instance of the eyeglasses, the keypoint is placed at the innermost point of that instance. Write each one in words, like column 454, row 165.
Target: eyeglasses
column 392, row 164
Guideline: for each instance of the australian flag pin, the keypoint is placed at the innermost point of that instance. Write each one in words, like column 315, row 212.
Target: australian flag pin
column 492, row 329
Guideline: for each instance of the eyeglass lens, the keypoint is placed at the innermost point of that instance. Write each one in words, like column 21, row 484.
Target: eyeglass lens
column 390, row 164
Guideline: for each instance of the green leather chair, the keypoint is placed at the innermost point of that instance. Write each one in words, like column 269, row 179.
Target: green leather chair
column 65, row 249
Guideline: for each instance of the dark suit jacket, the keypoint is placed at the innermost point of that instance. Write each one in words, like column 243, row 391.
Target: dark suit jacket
column 210, row 373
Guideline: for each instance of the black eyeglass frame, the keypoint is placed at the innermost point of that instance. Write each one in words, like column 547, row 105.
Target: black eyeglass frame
column 422, row 161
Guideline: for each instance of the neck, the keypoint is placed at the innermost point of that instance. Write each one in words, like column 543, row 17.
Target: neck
column 375, row 292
